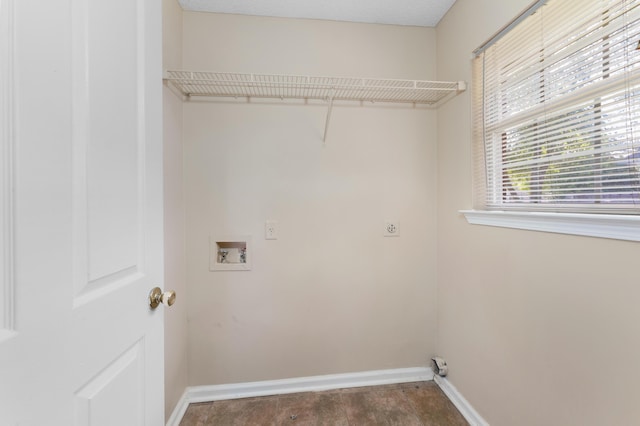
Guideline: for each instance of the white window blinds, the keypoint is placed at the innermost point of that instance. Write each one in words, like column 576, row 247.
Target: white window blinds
column 557, row 110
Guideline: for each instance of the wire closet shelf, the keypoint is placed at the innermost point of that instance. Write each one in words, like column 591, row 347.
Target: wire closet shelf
column 216, row 84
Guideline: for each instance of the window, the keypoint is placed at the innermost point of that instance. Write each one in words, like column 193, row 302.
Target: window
column 558, row 110
column 557, row 113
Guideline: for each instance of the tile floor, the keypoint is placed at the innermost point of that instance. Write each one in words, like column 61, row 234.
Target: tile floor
column 406, row 404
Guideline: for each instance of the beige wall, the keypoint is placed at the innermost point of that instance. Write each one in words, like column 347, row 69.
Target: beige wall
column 537, row 328
column 174, row 215
column 331, row 295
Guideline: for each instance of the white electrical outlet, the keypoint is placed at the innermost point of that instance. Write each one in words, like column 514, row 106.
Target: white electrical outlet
column 391, row 228
column 271, row 230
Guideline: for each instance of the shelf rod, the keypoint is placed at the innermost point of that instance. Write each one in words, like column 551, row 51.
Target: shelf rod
column 326, row 124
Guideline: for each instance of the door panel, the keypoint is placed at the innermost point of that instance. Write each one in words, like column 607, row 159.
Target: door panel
column 115, row 137
column 121, row 384
column 110, row 142
column 6, row 171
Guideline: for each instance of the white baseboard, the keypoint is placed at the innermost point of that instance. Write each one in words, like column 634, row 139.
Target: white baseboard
column 469, row 413
column 300, row 384
column 179, row 410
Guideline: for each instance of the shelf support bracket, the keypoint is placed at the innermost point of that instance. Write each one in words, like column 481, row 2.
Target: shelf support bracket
column 326, row 124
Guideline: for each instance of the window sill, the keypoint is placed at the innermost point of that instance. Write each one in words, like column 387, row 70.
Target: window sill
column 619, row 227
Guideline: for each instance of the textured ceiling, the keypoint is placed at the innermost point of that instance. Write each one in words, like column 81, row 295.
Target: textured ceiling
column 424, row 13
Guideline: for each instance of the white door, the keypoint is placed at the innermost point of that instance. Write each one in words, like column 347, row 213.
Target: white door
column 80, row 212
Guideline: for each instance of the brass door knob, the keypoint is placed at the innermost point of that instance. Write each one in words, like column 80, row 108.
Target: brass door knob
column 157, row 297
